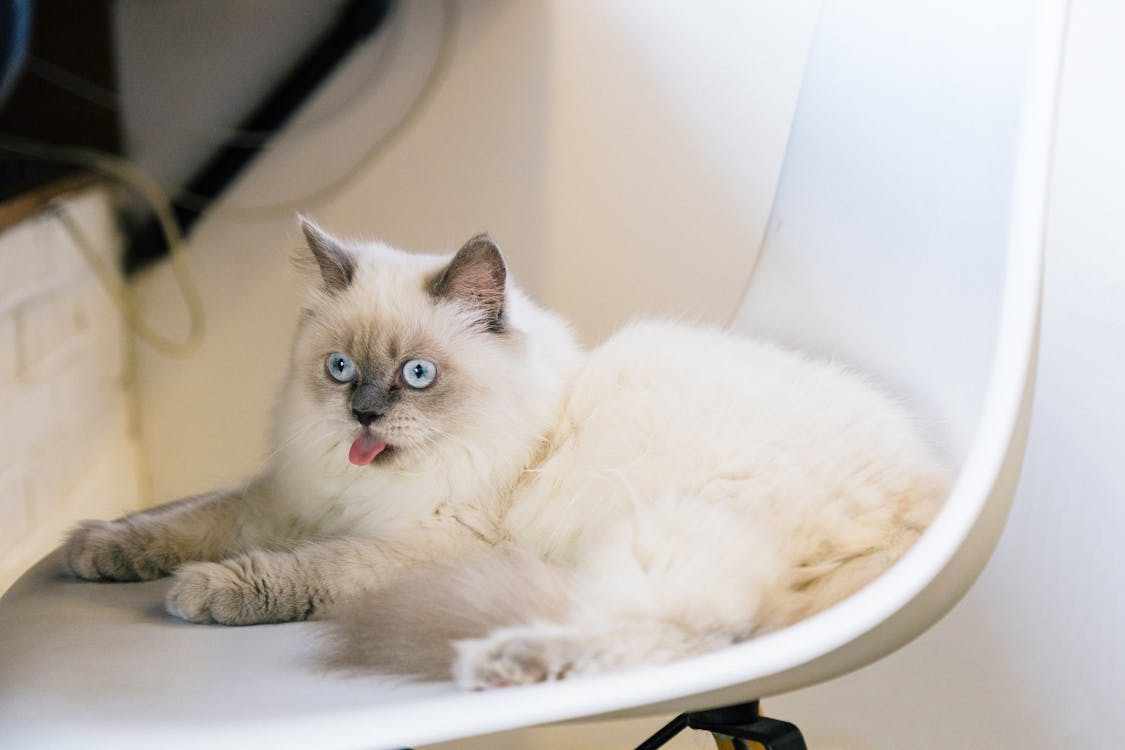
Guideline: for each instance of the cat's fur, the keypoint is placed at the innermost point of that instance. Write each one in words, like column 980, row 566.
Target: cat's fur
column 541, row 511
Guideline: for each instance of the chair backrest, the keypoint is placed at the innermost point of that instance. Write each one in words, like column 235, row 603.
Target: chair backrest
column 906, row 238
column 886, row 246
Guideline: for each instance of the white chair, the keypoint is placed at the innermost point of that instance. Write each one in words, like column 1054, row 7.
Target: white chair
column 906, row 238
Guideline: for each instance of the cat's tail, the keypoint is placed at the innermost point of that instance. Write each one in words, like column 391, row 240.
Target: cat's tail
column 410, row 626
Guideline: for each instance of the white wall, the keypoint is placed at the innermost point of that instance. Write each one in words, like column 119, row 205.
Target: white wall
column 667, row 127
column 68, row 441
column 1033, row 655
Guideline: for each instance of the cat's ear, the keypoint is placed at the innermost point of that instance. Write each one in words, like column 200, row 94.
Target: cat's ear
column 476, row 277
column 336, row 264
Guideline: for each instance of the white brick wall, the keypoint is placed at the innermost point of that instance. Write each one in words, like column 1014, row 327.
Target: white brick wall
column 68, row 448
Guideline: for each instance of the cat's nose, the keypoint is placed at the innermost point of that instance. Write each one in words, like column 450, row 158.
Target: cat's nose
column 369, row 402
column 365, row 418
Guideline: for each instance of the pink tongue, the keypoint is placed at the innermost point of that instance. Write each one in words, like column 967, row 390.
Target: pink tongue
column 365, row 448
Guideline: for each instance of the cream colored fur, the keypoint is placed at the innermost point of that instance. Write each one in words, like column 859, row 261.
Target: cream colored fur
column 543, row 512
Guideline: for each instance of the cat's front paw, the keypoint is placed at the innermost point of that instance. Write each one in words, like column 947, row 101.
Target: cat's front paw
column 208, row 592
column 113, row 551
column 513, row 657
column 246, row 590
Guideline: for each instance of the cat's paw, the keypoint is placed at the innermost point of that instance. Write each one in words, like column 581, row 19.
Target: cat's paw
column 208, row 592
column 255, row 588
column 518, row 656
column 113, row 551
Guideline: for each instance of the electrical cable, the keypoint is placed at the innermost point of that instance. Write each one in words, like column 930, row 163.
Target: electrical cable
column 150, row 192
column 436, row 76
column 98, row 95
column 391, row 48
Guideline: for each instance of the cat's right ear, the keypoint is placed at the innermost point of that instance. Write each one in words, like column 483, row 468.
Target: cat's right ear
column 336, row 264
column 476, row 277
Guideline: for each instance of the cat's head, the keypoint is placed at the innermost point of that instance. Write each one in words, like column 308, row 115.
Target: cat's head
column 402, row 359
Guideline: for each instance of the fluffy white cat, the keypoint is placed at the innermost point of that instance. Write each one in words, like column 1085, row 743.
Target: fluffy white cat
column 468, row 493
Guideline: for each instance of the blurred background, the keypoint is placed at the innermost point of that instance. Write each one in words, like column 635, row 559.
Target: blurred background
column 626, row 156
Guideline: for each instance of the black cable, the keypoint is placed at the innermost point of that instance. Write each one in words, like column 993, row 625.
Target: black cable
column 358, row 20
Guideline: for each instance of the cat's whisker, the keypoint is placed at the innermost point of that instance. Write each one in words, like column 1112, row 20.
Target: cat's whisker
column 336, row 445
column 328, row 435
column 299, row 434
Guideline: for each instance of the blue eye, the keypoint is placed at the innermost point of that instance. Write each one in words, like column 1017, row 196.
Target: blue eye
column 341, row 368
column 419, row 373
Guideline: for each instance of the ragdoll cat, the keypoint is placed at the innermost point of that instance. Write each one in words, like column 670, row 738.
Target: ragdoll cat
column 470, row 493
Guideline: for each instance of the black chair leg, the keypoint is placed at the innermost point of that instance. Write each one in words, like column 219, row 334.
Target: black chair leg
column 741, row 723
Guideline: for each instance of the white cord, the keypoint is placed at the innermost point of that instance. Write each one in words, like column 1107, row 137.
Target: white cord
column 126, row 174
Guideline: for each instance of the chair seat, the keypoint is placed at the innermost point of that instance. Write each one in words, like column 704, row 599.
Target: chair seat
column 100, row 665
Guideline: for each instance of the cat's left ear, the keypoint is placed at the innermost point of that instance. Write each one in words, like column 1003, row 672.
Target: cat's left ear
column 337, row 265
column 476, row 277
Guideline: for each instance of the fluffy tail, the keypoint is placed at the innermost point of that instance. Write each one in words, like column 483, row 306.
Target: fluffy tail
column 409, row 627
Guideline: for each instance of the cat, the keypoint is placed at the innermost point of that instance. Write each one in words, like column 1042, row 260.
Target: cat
column 467, row 493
